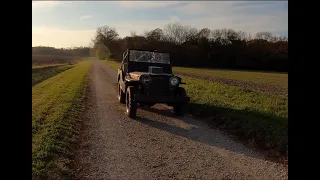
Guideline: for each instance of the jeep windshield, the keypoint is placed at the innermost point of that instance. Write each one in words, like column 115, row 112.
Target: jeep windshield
column 151, row 57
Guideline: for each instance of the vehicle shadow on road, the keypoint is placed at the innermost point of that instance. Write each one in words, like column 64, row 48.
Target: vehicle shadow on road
column 197, row 132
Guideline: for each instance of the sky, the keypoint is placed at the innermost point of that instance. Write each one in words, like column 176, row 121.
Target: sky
column 73, row 23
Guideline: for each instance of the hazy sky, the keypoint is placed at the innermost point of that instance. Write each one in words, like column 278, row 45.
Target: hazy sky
column 73, row 23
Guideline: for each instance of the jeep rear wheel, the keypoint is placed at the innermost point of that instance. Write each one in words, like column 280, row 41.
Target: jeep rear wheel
column 121, row 95
column 131, row 105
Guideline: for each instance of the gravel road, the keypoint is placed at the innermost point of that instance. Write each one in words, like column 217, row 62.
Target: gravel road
column 157, row 145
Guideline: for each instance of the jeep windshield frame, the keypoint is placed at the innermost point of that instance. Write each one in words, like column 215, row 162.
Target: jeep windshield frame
column 148, row 57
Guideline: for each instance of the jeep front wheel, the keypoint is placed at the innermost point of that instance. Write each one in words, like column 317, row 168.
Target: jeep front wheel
column 131, row 105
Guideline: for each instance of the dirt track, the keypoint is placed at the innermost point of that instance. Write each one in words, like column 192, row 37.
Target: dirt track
column 157, row 145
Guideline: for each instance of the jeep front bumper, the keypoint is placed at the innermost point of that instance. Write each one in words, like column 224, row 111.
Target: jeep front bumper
column 160, row 99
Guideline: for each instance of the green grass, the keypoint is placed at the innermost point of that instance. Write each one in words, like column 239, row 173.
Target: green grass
column 41, row 73
column 55, row 104
column 261, row 115
column 212, row 93
column 264, row 115
column 266, row 78
column 115, row 65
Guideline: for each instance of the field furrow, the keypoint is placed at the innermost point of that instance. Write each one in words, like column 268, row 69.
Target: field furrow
column 40, row 74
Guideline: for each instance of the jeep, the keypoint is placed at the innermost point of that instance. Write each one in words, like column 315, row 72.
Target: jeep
column 145, row 78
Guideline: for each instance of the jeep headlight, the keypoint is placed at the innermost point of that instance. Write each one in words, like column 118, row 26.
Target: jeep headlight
column 174, row 81
column 145, row 79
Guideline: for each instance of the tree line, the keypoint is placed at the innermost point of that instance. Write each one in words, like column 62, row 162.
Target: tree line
column 77, row 51
column 192, row 47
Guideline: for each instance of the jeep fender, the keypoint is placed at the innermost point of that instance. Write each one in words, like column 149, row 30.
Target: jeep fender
column 131, row 83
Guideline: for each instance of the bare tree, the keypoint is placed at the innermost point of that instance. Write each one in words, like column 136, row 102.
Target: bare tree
column 242, row 35
column 105, row 35
column 173, row 33
column 156, row 34
column 204, row 32
column 264, row 36
column 178, row 34
column 133, row 34
column 189, row 33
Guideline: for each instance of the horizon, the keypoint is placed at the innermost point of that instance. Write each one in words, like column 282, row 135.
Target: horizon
column 67, row 24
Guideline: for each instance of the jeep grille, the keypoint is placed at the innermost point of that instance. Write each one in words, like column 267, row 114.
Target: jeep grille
column 159, row 85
